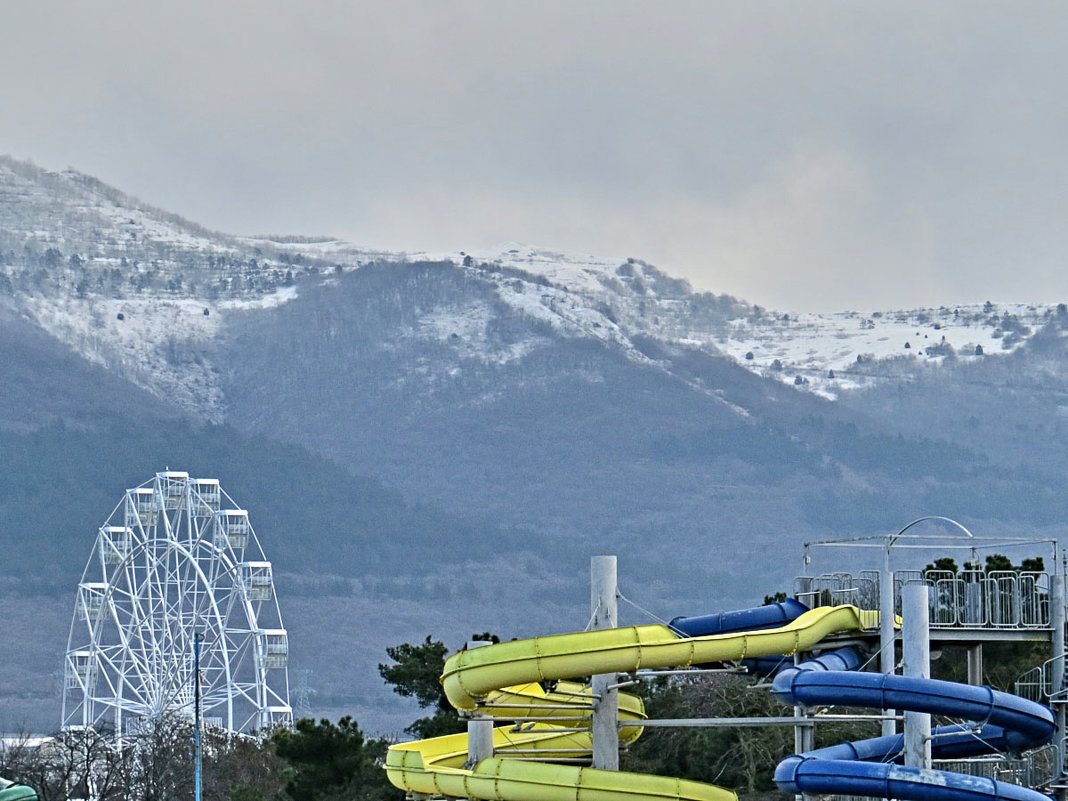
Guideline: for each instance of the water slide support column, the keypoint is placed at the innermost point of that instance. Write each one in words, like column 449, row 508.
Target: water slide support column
column 975, row 664
column 1057, row 622
column 479, row 731
column 916, row 656
column 603, row 600
column 479, row 741
column 886, row 630
column 804, row 734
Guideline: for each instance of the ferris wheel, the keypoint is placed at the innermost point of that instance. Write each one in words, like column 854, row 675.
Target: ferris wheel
column 176, row 560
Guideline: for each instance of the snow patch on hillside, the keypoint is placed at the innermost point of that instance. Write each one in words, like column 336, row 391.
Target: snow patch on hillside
column 134, row 222
column 466, row 330
column 159, row 345
column 269, row 301
column 578, row 273
column 832, row 353
column 615, row 299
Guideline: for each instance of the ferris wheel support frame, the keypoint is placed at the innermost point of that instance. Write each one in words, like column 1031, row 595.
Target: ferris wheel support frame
column 179, row 569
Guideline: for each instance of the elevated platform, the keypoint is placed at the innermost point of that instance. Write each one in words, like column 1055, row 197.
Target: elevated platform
column 955, row 636
column 965, row 606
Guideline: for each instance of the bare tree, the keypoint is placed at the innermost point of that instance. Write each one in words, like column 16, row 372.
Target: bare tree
column 155, row 763
column 78, row 763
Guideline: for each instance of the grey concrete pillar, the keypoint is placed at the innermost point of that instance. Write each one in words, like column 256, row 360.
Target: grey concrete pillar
column 1057, row 623
column 603, row 600
column 916, row 659
column 804, row 735
column 479, row 740
column 975, row 664
column 887, row 661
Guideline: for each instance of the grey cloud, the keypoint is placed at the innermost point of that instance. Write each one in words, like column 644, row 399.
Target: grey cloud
column 815, row 155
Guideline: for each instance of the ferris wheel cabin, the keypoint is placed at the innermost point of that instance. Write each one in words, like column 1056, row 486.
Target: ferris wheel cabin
column 207, row 495
column 172, row 486
column 92, row 599
column 80, row 671
column 273, row 650
column 115, row 543
column 141, row 505
column 232, row 529
column 257, row 580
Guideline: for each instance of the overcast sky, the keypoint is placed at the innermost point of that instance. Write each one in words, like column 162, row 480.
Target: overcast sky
column 801, row 155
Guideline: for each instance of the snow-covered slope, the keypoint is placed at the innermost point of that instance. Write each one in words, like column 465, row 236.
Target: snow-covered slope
column 149, row 294
column 832, row 353
column 613, row 299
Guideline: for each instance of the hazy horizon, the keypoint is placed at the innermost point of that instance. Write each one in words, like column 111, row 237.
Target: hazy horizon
column 811, row 157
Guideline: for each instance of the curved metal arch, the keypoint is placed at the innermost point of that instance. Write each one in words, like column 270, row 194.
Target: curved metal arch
column 893, row 538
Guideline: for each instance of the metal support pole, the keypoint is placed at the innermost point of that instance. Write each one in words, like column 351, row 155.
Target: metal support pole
column 197, row 758
column 804, row 729
column 886, row 629
column 605, row 727
column 916, row 656
column 804, row 732
column 479, row 741
column 975, row 664
column 1057, row 623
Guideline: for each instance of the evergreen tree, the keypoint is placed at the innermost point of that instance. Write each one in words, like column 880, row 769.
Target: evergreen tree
column 415, row 675
column 333, row 762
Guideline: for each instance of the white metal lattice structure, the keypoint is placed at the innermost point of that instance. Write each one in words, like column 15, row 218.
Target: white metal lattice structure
column 176, row 557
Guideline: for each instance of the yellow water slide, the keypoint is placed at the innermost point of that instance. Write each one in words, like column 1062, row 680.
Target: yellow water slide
column 508, row 680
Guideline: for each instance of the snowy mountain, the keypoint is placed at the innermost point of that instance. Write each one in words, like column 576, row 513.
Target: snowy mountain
column 130, row 287
column 184, row 313
column 439, row 427
column 221, row 328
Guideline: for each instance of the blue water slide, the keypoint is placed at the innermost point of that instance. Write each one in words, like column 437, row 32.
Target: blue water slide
column 769, row 616
column 868, row 767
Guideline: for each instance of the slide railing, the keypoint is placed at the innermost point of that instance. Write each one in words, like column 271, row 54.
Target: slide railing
column 1000, row 599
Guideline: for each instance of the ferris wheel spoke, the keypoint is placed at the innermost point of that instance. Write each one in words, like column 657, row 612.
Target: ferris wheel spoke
column 143, row 600
column 119, row 658
column 133, row 690
column 124, row 661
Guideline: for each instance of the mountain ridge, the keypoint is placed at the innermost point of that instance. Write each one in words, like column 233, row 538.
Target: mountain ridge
column 481, row 422
column 158, row 271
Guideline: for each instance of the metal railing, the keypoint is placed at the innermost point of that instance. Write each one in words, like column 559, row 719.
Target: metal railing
column 1004, row 599
column 1036, row 768
column 839, row 589
column 1036, row 684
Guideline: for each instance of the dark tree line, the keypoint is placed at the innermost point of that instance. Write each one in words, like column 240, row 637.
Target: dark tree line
column 315, row 761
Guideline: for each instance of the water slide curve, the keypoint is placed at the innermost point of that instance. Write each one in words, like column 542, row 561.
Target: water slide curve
column 13, row 791
column 509, row 680
column 1002, row 723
